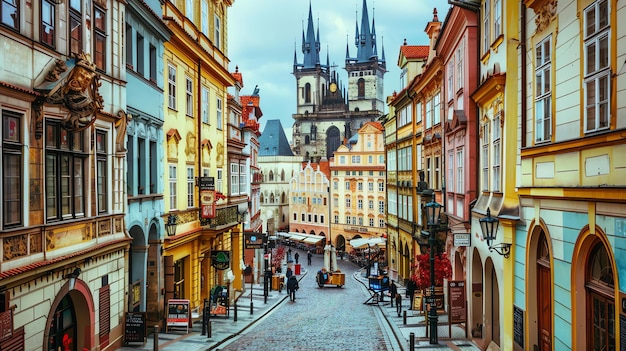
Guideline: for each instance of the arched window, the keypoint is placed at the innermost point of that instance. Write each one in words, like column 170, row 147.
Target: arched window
column 600, row 292
column 307, row 92
column 361, row 86
column 63, row 326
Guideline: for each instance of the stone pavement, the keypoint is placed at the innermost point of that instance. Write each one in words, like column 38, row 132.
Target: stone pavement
column 224, row 329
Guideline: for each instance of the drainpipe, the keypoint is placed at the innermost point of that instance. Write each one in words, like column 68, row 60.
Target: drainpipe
column 199, row 138
column 523, row 81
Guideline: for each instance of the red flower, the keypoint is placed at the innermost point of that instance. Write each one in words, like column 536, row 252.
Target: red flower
column 421, row 270
column 277, row 256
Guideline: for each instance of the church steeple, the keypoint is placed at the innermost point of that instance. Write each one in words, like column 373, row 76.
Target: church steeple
column 366, row 41
column 310, row 44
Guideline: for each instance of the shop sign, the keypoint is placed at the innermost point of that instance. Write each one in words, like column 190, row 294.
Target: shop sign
column 458, row 303
column 135, row 327
column 207, row 197
column 178, row 314
column 220, row 260
column 462, row 239
column 253, row 240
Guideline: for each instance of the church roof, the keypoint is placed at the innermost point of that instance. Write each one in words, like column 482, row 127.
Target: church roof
column 273, row 141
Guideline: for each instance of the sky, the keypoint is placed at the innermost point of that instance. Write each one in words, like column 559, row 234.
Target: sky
column 262, row 36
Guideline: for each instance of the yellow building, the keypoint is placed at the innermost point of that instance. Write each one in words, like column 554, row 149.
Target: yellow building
column 199, row 136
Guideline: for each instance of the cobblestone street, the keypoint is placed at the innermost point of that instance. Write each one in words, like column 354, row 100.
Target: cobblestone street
column 328, row 318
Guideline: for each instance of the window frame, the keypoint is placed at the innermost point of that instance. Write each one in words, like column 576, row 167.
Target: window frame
column 189, row 96
column 99, row 37
column 171, row 86
column 48, row 20
column 12, row 184
column 102, row 171
column 543, row 91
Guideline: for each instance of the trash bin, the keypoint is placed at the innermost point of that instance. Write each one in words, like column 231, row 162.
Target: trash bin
column 297, row 270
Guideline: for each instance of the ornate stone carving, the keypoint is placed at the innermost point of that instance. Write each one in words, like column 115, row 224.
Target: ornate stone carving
column 35, row 243
column 50, row 243
column 545, row 14
column 14, row 247
column 104, row 227
column 120, row 125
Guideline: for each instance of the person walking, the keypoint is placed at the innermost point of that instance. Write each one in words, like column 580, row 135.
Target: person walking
column 410, row 293
column 393, row 291
column 289, row 273
column 309, row 255
column 292, row 286
column 399, row 304
column 296, row 256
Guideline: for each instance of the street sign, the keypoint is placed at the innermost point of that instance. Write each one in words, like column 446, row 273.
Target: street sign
column 462, row 239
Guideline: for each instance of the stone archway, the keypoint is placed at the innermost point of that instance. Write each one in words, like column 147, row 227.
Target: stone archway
column 138, row 264
column 476, row 298
column 491, row 331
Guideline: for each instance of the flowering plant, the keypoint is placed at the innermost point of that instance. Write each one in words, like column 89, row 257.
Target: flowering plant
column 278, row 254
column 421, row 270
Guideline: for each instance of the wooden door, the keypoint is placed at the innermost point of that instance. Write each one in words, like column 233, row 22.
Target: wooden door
column 544, row 305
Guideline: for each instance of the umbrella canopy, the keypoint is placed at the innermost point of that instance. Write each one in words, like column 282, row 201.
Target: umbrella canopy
column 367, row 242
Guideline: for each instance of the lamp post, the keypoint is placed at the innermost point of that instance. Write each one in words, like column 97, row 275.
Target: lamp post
column 433, row 212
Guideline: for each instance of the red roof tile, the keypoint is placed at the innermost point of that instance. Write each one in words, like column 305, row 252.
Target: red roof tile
column 414, row 51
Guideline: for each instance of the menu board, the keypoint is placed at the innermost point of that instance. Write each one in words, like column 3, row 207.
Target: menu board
column 178, row 314
column 135, row 327
column 458, row 310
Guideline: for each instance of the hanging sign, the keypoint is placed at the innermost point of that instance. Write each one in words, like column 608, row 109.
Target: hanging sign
column 220, row 260
column 207, row 197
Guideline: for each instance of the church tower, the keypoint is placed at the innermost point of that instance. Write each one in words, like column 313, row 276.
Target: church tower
column 365, row 71
column 328, row 114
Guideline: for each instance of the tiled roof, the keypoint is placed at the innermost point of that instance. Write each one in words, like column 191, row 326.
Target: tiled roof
column 414, row 51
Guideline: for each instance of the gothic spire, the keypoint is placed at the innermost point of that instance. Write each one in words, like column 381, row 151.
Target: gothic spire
column 310, row 44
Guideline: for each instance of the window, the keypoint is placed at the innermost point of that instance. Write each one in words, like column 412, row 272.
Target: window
column 381, row 223
column 451, row 169
column 486, row 16
column 99, row 41
column 76, row 23
column 496, row 142
column 335, row 185
column 129, row 46
column 217, row 37
column 65, row 164
column 601, row 309
column 371, row 222
column 153, row 164
column 437, row 176
column 348, row 202
column 497, row 18
column 140, row 55
column 153, row 63
column 597, row 66
column 141, row 161
column 171, row 86
column 361, row 88
column 234, row 178
column 356, row 159
column 359, row 204
column 219, row 113
column 12, row 169
column 450, row 87
column 370, row 186
column 204, row 18
column 47, row 22
column 361, row 220
column 172, row 186
column 10, row 13
column 220, row 180
column 381, row 186
column 336, row 219
column 370, row 204
column 347, row 185
column 189, row 96
column 342, row 159
column 243, row 179
column 205, row 105
column 359, row 186
column 189, row 9
column 484, row 157
column 101, row 171
column 348, row 219
column 190, row 187
column 460, row 52
column 436, row 110
column 543, row 94
column 307, row 93
column 460, row 172
column 381, row 206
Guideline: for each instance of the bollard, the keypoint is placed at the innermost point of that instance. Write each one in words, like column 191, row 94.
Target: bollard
column 209, row 331
column 155, row 346
column 204, row 315
column 404, row 317
column 235, row 316
column 412, row 341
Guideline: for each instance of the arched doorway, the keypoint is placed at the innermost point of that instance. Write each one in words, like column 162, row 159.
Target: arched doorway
column 63, row 334
column 492, row 309
column 476, row 314
column 539, row 281
column 600, row 296
column 70, row 320
column 138, row 259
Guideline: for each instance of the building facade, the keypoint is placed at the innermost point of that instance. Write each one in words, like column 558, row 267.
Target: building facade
column 308, row 201
column 145, row 34
column 569, row 247
column 202, row 143
column 357, row 191
column 63, row 280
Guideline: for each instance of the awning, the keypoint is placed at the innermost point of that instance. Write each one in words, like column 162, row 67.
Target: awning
column 313, row 240
column 367, row 242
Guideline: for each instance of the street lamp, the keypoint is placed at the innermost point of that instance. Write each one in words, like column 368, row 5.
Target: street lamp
column 489, row 227
column 433, row 217
column 170, row 226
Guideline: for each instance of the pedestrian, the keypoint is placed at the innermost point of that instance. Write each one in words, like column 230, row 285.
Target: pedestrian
column 393, row 291
column 410, row 293
column 289, row 273
column 289, row 255
column 309, row 255
column 296, row 256
column 292, row 286
column 399, row 304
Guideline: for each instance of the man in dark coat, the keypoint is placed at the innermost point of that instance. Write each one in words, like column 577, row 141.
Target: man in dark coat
column 393, row 291
column 296, row 256
column 292, row 286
